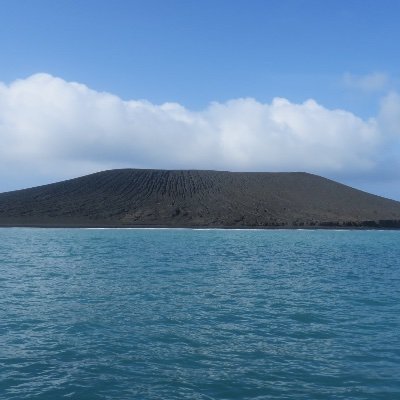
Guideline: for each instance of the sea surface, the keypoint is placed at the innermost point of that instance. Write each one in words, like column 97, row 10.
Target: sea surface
column 199, row 314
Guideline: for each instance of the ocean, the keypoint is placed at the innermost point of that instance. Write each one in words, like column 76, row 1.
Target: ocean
column 199, row 314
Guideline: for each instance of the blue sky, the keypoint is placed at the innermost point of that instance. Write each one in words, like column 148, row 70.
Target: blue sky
column 342, row 54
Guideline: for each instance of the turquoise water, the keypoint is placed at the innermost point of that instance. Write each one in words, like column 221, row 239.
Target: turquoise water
column 199, row 314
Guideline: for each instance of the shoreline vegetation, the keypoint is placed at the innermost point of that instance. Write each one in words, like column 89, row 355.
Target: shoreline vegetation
column 137, row 198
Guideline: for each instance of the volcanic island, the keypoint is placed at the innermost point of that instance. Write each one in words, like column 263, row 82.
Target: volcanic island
column 197, row 199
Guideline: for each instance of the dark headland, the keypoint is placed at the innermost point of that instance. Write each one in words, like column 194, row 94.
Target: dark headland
column 162, row 198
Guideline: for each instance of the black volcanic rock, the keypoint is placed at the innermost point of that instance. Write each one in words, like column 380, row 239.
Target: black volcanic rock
column 133, row 197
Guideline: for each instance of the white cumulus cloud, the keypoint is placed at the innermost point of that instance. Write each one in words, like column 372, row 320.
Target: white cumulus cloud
column 389, row 116
column 51, row 129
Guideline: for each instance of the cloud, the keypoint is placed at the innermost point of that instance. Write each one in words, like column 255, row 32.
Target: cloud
column 51, row 129
column 373, row 82
column 389, row 115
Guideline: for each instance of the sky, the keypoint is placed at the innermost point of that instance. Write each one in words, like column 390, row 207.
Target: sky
column 271, row 85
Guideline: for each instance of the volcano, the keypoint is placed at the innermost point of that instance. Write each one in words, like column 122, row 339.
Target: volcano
column 197, row 198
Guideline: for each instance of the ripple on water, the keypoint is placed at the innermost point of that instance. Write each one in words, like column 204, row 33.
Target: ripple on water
column 199, row 314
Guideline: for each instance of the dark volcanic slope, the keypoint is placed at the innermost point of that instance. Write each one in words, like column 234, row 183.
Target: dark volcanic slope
column 130, row 197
